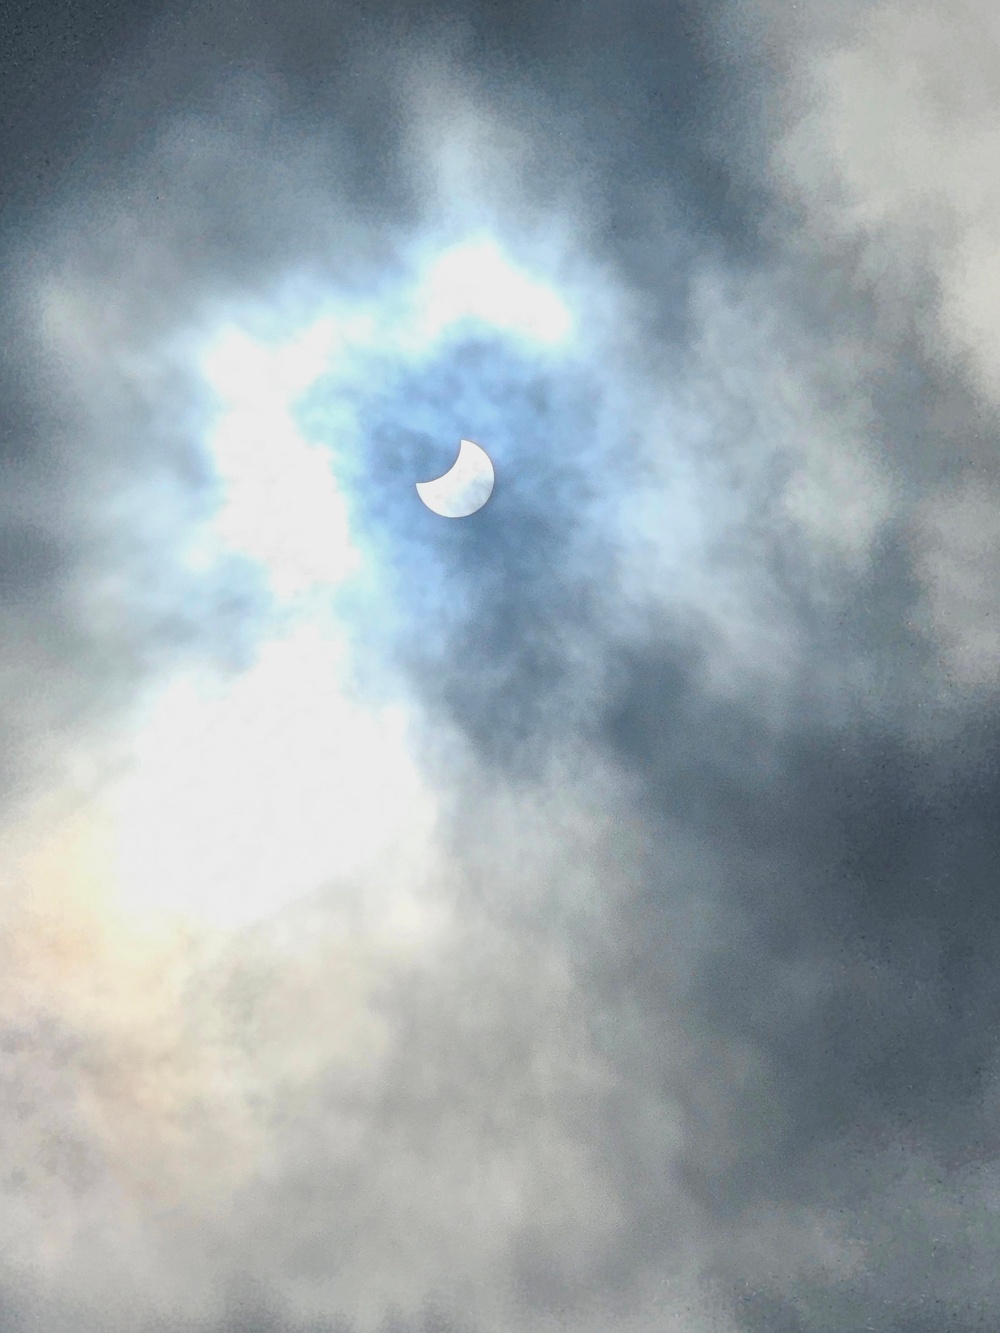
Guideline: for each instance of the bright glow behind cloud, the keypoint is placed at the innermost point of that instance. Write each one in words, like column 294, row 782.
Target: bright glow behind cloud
column 476, row 281
column 243, row 796
column 244, row 801
column 281, row 503
column 281, row 506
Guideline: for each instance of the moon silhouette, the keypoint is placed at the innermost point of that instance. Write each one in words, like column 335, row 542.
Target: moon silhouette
column 464, row 488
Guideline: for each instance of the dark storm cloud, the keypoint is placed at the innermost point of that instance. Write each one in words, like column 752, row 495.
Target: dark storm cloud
column 734, row 960
column 848, row 961
column 855, row 865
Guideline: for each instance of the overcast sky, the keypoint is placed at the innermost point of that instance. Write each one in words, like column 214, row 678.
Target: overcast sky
column 581, row 915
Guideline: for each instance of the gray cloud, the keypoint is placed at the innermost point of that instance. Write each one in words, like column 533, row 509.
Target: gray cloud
column 677, row 1009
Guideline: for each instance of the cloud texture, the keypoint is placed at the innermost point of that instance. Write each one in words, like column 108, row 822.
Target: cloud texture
column 581, row 914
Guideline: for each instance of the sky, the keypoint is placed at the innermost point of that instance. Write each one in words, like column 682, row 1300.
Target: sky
column 578, row 917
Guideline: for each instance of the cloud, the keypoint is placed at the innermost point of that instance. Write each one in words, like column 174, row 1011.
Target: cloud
column 577, row 915
column 889, row 158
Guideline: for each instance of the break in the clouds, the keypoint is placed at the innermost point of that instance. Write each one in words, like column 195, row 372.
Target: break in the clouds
column 582, row 912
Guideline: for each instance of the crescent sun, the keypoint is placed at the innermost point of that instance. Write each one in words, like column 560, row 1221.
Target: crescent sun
column 464, row 488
